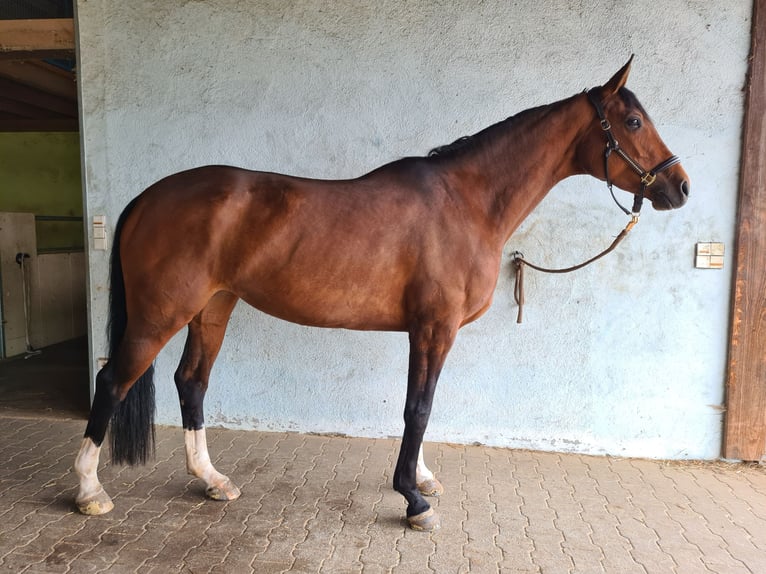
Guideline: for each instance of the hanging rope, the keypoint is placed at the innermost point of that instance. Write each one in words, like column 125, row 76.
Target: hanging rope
column 519, row 262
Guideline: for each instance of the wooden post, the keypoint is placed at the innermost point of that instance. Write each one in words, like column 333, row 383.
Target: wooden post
column 745, row 429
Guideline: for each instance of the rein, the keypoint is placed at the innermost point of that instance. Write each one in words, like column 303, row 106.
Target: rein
column 647, row 177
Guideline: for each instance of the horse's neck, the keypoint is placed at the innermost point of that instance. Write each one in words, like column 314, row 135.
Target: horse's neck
column 516, row 162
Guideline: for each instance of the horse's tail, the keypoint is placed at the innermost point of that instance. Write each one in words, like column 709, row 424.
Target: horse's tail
column 132, row 426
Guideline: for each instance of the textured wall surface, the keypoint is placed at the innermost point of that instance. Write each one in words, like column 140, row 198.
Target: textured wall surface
column 625, row 357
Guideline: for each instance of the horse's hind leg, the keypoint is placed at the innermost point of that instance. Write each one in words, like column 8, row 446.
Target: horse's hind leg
column 131, row 363
column 206, row 332
column 428, row 485
column 91, row 497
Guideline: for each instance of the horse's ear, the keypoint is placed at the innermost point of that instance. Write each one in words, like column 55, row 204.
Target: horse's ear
column 618, row 80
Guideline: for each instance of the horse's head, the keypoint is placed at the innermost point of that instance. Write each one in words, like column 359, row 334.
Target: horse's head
column 623, row 147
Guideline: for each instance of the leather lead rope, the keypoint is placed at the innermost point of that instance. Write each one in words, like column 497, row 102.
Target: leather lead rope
column 647, row 179
column 519, row 262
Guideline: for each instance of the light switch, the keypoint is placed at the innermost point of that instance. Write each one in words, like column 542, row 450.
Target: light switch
column 99, row 232
column 709, row 255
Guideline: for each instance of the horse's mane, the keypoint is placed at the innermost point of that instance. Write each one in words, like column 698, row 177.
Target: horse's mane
column 458, row 144
column 468, row 142
column 464, row 143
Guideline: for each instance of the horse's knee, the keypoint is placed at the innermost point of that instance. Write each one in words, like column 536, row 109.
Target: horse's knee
column 416, row 416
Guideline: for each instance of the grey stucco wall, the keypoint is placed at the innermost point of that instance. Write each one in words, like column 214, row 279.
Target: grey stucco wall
column 625, row 357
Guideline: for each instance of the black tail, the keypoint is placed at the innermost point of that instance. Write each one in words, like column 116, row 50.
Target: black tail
column 132, row 426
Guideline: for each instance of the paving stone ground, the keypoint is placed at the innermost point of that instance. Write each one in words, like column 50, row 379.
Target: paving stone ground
column 325, row 504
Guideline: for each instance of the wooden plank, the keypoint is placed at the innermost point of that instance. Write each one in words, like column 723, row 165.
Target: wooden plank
column 41, row 76
column 43, row 38
column 39, row 125
column 13, row 91
column 745, row 428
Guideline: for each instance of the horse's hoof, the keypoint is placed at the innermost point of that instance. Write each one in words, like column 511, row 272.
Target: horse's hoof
column 99, row 503
column 431, row 487
column 427, row 521
column 226, row 491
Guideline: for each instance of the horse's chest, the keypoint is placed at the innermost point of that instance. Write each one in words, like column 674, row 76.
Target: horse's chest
column 480, row 283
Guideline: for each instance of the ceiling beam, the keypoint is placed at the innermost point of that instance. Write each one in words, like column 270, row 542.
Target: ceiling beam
column 39, row 125
column 43, row 38
column 26, row 110
column 39, row 75
column 13, row 91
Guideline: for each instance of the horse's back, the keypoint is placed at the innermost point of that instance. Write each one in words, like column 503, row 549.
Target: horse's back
column 327, row 253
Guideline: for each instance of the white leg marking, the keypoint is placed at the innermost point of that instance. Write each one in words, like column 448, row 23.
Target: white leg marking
column 91, row 498
column 421, row 472
column 198, row 464
column 424, row 478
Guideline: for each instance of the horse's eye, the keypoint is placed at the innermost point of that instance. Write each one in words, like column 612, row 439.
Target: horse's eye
column 633, row 123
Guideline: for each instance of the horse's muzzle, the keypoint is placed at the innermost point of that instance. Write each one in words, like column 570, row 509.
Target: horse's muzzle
column 672, row 195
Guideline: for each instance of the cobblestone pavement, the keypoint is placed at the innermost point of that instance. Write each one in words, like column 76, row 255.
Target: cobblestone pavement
column 325, row 504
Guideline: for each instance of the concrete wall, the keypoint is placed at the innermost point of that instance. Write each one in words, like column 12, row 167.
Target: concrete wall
column 625, row 357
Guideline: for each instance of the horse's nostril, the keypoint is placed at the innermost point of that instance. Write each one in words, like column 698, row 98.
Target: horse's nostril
column 685, row 188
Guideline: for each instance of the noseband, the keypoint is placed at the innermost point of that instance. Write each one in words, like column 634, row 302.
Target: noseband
column 647, row 177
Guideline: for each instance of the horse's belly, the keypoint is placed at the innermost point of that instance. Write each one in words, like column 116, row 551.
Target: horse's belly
column 315, row 303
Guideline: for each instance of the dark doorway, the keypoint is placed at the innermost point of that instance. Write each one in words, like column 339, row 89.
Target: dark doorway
column 52, row 383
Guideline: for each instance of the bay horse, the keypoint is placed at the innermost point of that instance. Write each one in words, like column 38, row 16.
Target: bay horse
column 413, row 246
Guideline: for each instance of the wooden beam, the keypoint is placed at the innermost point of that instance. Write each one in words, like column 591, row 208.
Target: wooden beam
column 39, row 125
column 44, row 38
column 745, row 429
column 13, row 91
column 26, row 110
column 42, row 76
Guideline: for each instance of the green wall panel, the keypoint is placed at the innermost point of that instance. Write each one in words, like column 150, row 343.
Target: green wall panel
column 40, row 174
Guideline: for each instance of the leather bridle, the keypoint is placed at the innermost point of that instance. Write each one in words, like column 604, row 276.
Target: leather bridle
column 647, row 177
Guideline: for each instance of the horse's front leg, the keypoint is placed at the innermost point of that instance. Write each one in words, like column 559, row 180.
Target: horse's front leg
column 206, row 332
column 429, row 345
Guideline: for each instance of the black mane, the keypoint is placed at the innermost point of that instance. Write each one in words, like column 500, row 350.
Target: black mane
column 478, row 139
column 458, row 144
column 467, row 142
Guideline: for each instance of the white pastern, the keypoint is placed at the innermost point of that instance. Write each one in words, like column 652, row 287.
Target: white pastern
column 91, row 498
column 424, row 478
column 421, row 472
column 198, row 464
